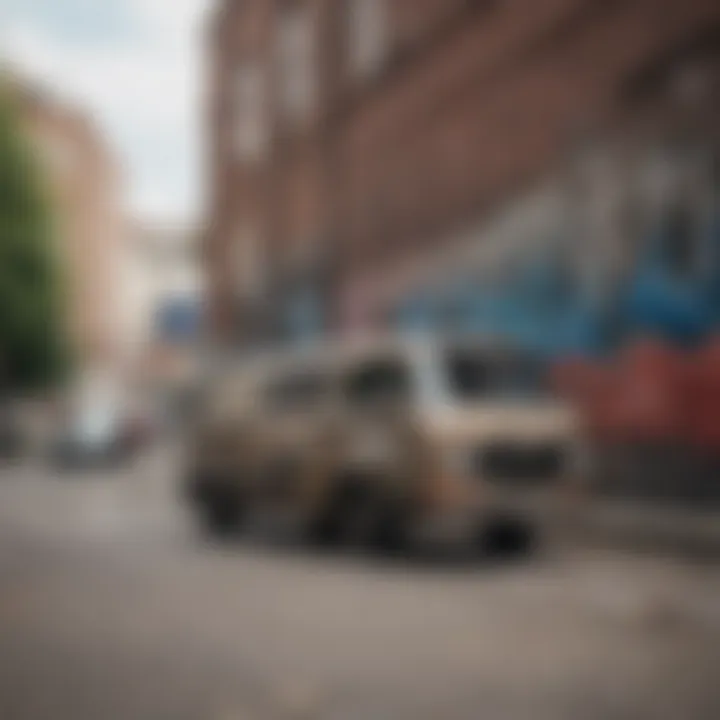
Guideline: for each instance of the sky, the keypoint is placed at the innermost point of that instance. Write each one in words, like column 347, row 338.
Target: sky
column 136, row 67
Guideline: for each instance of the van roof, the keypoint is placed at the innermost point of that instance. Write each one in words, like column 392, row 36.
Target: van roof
column 345, row 349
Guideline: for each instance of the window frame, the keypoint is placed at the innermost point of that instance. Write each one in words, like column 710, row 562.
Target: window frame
column 296, row 59
column 366, row 57
column 249, row 116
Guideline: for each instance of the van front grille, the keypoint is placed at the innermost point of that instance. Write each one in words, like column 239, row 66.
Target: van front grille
column 527, row 465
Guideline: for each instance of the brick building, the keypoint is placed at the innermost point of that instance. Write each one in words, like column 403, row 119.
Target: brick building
column 360, row 147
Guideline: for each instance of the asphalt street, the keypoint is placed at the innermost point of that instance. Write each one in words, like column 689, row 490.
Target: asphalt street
column 112, row 608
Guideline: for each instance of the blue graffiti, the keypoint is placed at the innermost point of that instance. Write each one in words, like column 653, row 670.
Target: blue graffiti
column 671, row 292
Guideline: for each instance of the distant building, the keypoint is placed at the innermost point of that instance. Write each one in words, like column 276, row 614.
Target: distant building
column 86, row 191
column 362, row 152
column 163, row 296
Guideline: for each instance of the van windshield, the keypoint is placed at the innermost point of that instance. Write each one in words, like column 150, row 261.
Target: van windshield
column 379, row 382
column 475, row 374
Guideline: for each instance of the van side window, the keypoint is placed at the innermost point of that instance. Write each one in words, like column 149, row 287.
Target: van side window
column 378, row 382
column 476, row 375
column 470, row 374
column 299, row 391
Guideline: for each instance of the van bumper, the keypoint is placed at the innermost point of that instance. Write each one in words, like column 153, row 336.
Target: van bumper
column 541, row 511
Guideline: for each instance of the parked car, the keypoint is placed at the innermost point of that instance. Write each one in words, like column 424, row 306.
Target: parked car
column 88, row 438
column 384, row 442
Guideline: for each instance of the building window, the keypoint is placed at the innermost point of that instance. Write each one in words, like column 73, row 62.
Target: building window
column 248, row 262
column 296, row 59
column 250, row 127
column 367, row 35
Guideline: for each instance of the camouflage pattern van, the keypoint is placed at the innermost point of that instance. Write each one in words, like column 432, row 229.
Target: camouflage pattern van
column 384, row 441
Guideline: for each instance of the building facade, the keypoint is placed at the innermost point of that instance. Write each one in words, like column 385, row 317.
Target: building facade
column 86, row 192
column 162, row 301
column 363, row 152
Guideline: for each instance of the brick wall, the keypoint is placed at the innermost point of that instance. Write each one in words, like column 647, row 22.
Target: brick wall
column 475, row 102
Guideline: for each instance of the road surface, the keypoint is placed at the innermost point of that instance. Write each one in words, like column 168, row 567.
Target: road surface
column 111, row 609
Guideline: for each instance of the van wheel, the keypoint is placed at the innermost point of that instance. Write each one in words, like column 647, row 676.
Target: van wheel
column 221, row 515
column 346, row 517
column 326, row 529
column 359, row 517
column 506, row 537
column 390, row 532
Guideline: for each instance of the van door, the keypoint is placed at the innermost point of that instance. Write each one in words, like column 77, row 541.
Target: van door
column 379, row 394
column 296, row 419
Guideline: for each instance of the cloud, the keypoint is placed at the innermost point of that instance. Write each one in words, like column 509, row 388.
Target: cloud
column 143, row 86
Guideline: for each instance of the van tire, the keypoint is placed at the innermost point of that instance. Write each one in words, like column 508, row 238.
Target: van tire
column 338, row 521
column 508, row 537
column 359, row 515
column 390, row 534
column 221, row 514
column 327, row 527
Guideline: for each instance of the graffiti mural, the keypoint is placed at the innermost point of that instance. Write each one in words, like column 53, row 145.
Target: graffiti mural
column 668, row 286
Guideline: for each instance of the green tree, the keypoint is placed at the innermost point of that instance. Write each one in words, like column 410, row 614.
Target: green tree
column 32, row 348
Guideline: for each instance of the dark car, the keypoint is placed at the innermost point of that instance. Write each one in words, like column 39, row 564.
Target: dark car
column 77, row 450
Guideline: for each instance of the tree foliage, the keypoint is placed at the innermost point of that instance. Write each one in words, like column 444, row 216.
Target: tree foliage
column 32, row 348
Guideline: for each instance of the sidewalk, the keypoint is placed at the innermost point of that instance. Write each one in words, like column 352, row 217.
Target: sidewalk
column 638, row 526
